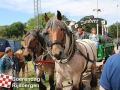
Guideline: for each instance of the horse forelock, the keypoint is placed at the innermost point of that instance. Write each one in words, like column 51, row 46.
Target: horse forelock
column 37, row 36
column 32, row 32
column 54, row 23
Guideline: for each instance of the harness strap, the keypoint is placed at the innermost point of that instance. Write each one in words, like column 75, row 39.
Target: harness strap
column 91, row 49
column 85, row 67
column 86, row 57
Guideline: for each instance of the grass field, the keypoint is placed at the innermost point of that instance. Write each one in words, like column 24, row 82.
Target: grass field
column 30, row 74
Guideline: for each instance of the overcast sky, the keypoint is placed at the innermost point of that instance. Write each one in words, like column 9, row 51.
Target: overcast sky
column 22, row 10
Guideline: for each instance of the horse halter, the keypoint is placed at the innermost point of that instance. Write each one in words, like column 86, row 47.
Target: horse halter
column 33, row 48
column 59, row 42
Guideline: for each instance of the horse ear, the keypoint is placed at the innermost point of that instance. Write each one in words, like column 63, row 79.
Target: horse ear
column 59, row 16
column 22, row 47
column 46, row 17
column 24, row 31
column 37, row 31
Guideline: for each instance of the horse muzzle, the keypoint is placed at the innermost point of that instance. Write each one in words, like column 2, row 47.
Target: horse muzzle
column 28, row 57
column 58, row 56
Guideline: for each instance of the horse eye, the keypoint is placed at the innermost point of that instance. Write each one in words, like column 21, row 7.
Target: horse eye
column 61, row 29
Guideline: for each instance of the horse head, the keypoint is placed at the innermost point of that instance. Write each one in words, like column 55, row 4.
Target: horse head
column 57, row 31
column 32, row 45
column 19, row 54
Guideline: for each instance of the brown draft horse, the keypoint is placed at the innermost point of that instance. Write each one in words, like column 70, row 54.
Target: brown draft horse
column 19, row 55
column 72, row 57
column 35, row 49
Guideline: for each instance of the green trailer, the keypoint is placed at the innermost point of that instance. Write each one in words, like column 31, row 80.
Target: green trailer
column 105, row 48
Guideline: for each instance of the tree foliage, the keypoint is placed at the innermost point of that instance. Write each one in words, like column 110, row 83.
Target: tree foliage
column 112, row 30
column 88, row 27
column 30, row 23
column 14, row 30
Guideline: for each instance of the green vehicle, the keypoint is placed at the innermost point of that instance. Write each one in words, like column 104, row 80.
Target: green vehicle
column 105, row 48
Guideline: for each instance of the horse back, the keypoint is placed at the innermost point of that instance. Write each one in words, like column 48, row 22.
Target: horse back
column 87, row 46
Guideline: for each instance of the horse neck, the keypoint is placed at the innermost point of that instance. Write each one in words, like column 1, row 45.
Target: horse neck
column 19, row 54
column 39, row 51
column 67, row 44
column 41, row 46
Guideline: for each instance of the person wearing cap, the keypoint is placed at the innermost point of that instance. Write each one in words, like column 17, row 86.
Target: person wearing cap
column 80, row 34
column 6, row 64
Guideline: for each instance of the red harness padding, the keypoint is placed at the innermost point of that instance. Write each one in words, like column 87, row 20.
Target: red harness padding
column 45, row 61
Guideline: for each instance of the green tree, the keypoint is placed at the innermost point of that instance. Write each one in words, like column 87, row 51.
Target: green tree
column 49, row 14
column 88, row 27
column 30, row 23
column 16, row 29
column 112, row 30
column 4, row 31
column 64, row 18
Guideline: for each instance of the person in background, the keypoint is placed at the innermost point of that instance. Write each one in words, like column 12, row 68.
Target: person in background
column 6, row 64
column 80, row 34
column 118, row 44
column 110, row 77
column 94, row 37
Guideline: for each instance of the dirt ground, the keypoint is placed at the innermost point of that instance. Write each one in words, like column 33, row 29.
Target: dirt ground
column 86, row 81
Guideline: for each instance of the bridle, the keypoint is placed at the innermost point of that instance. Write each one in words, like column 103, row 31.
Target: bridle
column 34, row 49
column 62, row 43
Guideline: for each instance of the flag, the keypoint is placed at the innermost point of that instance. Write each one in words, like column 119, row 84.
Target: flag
column 5, row 80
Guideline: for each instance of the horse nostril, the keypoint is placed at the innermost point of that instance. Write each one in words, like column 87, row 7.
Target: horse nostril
column 28, row 55
column 60, row 53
